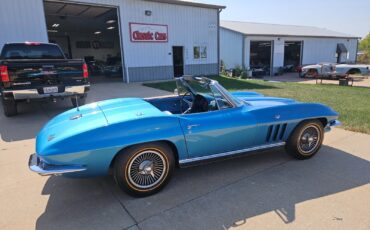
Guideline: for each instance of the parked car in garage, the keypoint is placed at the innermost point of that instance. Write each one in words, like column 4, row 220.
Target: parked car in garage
column 31, row 71
column 331, row 70
column 113, row 67
column 142, row 140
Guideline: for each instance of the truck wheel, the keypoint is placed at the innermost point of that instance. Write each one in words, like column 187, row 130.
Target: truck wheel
column 143, row 170
column 306, row 139
column 81, row 100
column 10, row 107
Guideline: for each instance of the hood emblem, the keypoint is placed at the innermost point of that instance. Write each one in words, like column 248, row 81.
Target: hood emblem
column 75, row 117
column 51, row 137
column 277, row 117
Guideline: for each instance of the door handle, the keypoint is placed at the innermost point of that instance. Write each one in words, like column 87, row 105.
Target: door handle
column 192, row 126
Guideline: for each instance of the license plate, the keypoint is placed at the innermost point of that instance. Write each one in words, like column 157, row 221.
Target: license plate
column 52, row 89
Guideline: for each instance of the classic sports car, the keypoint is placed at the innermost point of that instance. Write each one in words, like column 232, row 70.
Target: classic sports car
column 141, row 141
column 330, row 70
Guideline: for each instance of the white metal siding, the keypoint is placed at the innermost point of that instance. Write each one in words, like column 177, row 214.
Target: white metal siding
column 315, row 50
column 22, row 21
column 188, row 26
column 231, row 48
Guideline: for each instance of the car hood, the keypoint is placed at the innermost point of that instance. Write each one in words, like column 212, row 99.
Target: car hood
column 90, row 117
column 311, row 66
column 256, row 100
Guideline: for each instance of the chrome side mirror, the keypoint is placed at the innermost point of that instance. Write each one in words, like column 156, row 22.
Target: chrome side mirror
column 176, row 92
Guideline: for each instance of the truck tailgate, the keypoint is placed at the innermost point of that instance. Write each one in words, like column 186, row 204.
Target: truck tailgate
column 35, row 73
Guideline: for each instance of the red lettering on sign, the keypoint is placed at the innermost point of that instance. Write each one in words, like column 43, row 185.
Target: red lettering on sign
column 160, row 36
column 143, row 36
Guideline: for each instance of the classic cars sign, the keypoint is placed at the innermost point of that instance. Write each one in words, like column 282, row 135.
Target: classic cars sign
column 140, row 32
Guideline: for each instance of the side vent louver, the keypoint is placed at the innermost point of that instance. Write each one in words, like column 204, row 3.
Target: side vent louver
column 276, row 132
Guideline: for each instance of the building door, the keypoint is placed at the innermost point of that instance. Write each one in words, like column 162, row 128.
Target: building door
column 292, row 55
column 261, row 58
column 178, row 61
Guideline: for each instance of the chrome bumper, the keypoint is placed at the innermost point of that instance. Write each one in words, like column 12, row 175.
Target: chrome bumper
column 333, row 123
column 38, row 166
column 34, row 94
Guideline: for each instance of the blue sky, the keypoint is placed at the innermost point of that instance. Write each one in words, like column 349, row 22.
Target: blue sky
column 347, row 16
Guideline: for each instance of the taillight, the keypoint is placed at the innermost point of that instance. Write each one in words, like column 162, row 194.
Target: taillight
column 85, row 71
column 4, row 73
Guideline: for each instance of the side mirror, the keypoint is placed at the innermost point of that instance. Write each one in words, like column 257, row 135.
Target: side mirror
column 176, row 92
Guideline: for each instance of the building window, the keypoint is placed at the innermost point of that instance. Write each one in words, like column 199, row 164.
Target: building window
column 196, row 52
column 203, row 52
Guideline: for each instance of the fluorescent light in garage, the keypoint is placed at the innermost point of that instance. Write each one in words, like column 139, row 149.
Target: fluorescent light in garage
column 97, row 32
column 111, row 28
column 110, row 21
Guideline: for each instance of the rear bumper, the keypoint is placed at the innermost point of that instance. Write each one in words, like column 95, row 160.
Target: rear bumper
column 34, row 93
column 38, row 166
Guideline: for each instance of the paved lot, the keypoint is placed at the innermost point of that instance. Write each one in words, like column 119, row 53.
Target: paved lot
column 293, row 77
column 268, row 190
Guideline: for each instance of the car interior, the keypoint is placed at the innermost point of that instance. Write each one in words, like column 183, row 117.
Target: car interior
column 191, row 101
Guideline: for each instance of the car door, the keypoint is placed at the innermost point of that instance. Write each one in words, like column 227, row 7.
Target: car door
column 218, row 131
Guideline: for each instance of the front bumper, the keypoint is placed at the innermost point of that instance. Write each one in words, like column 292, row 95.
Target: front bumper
column 38, row 166
column 34, row 93
column 333, row 123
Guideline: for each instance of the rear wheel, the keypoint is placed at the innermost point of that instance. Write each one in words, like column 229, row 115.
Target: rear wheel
column 80, row 100
column 306, row 139
column 145, row 169
column 10, row 107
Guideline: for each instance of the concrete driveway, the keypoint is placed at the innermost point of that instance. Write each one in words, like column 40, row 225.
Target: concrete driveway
column 268, row 190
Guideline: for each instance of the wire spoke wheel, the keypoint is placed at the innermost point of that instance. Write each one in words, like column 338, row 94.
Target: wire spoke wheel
column 309, row 139
column 147, row 169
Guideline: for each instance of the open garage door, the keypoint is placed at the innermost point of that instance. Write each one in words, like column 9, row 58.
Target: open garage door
column 88, row 32
column 261, row 58
column 292, row 55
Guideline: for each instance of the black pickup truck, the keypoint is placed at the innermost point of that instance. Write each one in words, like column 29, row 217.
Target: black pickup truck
column 31, row 71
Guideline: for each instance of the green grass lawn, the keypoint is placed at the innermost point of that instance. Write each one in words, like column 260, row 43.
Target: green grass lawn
column 352, row 103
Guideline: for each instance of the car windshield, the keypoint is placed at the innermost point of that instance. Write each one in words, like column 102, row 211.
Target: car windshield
column 207, row 88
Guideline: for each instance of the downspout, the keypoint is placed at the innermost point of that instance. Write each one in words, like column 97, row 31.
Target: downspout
column 243, row 51
column 356, row 51
column 218, row 41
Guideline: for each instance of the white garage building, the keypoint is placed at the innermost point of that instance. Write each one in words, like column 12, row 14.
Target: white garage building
column 147, row 39
column 272, row 46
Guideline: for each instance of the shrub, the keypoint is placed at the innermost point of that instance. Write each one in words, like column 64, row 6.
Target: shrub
column 237, row 71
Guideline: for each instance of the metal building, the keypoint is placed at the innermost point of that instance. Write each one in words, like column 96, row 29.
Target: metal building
column 271, row 46
column 142, row 40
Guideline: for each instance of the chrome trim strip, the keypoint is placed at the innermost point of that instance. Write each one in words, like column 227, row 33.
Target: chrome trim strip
column 218, row 155
column 40, row 167
column 33, row 93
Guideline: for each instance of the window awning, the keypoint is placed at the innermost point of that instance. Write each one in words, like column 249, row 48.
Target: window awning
column 341, row 48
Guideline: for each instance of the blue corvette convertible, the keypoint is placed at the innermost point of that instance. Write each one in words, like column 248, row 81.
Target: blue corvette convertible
column 141, row 141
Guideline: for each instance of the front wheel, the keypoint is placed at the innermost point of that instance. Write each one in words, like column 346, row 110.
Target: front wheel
column 145, row 169
column 306, row 139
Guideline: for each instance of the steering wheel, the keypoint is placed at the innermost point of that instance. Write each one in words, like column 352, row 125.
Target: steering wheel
column 189, row 103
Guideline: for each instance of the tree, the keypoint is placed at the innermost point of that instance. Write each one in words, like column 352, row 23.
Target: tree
column 365, row 44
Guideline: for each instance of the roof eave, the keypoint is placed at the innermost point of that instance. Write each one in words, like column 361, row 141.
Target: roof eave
column 184, row 3
column 288, row 35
